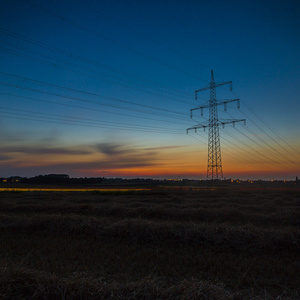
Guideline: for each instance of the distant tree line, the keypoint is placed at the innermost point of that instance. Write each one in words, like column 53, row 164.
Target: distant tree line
column 61, row 179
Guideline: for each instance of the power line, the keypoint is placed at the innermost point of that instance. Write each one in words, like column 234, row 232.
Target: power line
column 88, row 101
column 197, row 139
column 266, row 158
column 89, row 93
column 110, row 40
column 61, row 119
column 89, row 61
column 264, row 141
column 230, row 143
column 103, row 77
column 91, row 109
column 231, row 154
column 146, row 37
column 268, row 135
column 274, row 132
column 84, row 125
column 78, row 118
column 270, row 146
column 250, row 159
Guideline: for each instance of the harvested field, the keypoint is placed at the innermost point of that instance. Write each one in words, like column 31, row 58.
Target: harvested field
column 159, row 244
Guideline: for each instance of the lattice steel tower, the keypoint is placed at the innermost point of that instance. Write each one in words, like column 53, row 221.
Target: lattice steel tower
column 214, row 164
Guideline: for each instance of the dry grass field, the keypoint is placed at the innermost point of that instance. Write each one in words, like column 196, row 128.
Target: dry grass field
column 207, row 244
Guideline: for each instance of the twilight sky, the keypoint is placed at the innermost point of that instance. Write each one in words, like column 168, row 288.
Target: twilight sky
column 105, row 88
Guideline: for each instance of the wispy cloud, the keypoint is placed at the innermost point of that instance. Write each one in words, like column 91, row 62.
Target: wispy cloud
column 4, row 157
column 41, row 150
column 24, row 136
column 74, row 159
column 110, row 148
column 164, row 148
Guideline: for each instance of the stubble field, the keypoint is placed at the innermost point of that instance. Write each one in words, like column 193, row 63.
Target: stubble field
column 158, row 244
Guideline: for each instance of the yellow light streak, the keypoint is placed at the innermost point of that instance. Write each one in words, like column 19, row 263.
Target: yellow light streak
column 69, row 190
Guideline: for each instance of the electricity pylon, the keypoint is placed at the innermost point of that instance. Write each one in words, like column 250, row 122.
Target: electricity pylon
column 214, row 164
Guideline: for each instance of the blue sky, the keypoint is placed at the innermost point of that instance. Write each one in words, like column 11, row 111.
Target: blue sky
column 104, row 88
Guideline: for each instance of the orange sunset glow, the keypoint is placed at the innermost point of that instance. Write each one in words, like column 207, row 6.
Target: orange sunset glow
column 177, row 161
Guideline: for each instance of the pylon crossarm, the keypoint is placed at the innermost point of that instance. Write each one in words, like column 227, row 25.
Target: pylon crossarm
column 191, row 111
column 202, row 89
column 217, row 84
column 225, row 101
column 231, row 121
column 197, row 127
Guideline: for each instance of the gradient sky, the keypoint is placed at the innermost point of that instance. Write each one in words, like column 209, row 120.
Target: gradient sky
column 105, row 88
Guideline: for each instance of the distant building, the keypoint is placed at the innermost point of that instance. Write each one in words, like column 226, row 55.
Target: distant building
column 14, row 179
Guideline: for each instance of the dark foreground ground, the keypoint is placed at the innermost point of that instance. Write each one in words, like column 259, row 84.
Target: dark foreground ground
column 209, row 244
